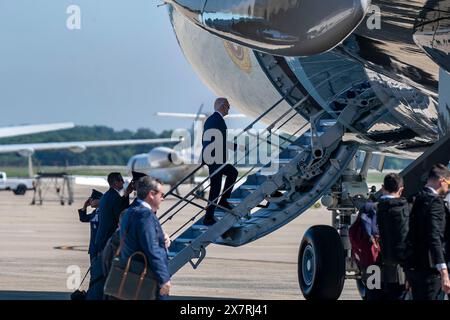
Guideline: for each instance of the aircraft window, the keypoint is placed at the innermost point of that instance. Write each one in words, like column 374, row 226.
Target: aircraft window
column 1, row 176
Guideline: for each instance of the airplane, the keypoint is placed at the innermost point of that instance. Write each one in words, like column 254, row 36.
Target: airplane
column 28, row 149
column 381, row 87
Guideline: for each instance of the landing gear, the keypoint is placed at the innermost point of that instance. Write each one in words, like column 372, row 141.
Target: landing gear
column 325, row 259
column 321, row 264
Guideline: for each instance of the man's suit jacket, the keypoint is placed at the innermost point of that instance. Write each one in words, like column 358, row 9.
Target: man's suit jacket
column 215, row 121
column 141, row 231
column 427, row 231
column 447, row 233
column 111, row 205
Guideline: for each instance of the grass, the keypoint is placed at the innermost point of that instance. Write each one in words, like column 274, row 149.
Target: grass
column 22, row 172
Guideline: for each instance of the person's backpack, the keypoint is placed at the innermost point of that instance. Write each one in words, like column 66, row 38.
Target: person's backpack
column 364, row 251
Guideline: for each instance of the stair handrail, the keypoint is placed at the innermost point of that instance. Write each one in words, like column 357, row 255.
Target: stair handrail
column 171, row 191
column 269, row 128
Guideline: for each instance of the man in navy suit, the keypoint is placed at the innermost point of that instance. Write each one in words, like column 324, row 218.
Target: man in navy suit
column 111, row 205
column 214, row 155
column 141, row 231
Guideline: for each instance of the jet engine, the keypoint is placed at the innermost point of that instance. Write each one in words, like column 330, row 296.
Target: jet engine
column 162, row 157
column 78, row 149
column 26, row 152
column 279, row 27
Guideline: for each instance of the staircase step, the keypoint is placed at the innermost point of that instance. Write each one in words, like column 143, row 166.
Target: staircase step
column 294, row 147
column 327, row 122
column 183, row 240
column 235, row 201
column 199, row 227
column 248, row 187
column 282, row 160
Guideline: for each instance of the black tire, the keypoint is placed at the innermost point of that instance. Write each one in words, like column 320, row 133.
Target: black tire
column 321, row 264
column 20, row 190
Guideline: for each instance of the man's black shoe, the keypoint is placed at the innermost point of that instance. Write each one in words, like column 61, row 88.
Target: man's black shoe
column 207, row 221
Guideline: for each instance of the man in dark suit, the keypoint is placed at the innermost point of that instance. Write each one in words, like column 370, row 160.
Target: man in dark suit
column 214, row 155
column 111, row 205
column 141, row 231
column 429, row 273
column 393, row 224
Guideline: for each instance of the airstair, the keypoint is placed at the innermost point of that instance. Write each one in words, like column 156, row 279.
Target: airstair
column 309, row 162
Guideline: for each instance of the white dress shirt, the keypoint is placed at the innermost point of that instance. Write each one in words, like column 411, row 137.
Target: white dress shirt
column 145, row 204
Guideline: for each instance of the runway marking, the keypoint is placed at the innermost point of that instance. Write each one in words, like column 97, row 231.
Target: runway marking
column 72, row 248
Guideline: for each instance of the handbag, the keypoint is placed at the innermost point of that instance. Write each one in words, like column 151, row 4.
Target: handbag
column 131, row 279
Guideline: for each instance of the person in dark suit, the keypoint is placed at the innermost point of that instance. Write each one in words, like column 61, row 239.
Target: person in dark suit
column 214, row 155
column 428, row 272
column 140, row 230
column 110, row 207
column 92, row 218
column 393, row 224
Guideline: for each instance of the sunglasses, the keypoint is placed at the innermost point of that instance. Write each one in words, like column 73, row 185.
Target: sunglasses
column 158, row 192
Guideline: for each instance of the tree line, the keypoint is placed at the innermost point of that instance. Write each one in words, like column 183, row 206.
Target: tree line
column 100, row 156
column 92, row 156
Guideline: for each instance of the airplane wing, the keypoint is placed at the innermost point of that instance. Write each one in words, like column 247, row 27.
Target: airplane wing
column 181, row 115
column 77, row 146
column 194, row 115
column 30, row 129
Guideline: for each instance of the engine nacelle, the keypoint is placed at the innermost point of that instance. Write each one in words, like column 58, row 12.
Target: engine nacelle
column 162, row 157
column 279, row 27
column 78, row 149
column 26, row 152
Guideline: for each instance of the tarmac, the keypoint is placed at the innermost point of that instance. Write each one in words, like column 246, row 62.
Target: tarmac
column 39, row 244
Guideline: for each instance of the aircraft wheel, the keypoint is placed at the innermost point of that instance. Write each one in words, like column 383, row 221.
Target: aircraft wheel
column 321, row 264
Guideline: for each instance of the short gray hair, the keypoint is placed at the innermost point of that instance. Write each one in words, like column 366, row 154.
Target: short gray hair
column 219, row 103
column 146, row 184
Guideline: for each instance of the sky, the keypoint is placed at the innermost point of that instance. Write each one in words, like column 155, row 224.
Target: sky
column 121, row 67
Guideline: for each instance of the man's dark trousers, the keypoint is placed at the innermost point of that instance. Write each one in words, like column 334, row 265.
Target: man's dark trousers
column 426, row 285
column 97, row 281
column 216, row 183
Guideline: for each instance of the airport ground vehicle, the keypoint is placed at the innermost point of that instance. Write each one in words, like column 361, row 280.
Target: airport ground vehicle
column 18, row 186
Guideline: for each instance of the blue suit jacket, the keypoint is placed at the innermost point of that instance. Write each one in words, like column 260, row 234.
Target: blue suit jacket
column 111, row 205
column 215, row 121
column 141, row 231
